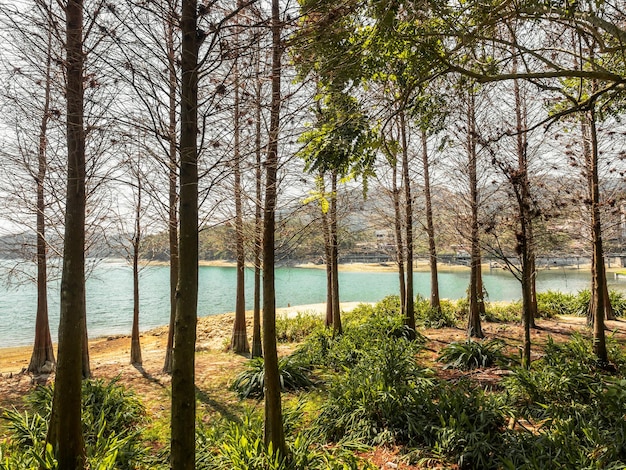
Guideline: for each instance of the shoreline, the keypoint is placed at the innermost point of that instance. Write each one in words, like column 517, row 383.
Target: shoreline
column 213, row 333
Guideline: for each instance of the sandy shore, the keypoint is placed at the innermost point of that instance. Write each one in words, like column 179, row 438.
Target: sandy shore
column 213, row 333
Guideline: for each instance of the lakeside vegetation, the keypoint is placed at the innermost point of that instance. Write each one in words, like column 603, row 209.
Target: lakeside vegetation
column 438, row 400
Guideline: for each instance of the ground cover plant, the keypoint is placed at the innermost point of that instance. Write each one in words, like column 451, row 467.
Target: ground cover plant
column 351, row 399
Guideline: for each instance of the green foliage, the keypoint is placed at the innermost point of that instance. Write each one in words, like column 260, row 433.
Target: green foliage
column 580, row 411
column 111, row 416
column 365, row 328
column 505, row 313
column 368, row 402
column 238, row 445
column 292, row 329
column 429, row 317
column 472, row 354
column 250, row 383
column 552, row 303
column 618, row 302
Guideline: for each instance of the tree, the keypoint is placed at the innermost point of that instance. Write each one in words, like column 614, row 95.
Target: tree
column 183, row 371
column 239, row 341
column 274, row 430
column 65, row 429
column 35, row 100
column 474, row 327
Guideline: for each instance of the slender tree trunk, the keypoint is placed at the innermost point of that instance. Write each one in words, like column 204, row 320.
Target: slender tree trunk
column 183, row 372
column 172, row 226
column 430, row 228
column 65, row 430
column 590, row 149
column 409, row 301
column 398, row 237
column 334, row 252
column 135, row 344
column 328, row 256
column 239, row 342
column 474, row 327
column 42, row 358
column 522, row 191
column 257, row 348
column 274, row 431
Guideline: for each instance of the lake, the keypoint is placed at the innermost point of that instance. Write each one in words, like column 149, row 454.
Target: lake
column 109, row 294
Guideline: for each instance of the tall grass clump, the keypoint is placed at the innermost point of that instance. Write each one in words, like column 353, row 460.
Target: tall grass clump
column 429, row 317
column 112, row 420
column 238, row 445
column 553, row 303
column 298, row 327
column 576, row 411
column 472, row 354
column 293, row 375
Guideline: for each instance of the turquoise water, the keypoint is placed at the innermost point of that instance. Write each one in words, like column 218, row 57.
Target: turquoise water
column 109, row 294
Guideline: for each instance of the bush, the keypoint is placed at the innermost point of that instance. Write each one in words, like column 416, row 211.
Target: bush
column 505, row 313
column 552, row 303
column 472, row 354
column 238, row 445
column 111, row 415
column 429, row 317
column 293, row 329
column 364, row 329
column 580, row 409
column 370, row 402
column 250, row 383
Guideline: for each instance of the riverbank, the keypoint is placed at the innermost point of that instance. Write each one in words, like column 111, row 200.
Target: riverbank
column 213, row 334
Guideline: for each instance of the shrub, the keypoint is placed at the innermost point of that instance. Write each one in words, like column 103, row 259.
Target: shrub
column 472, row 354
column 430, row 317
column 293, row 329
column 505, row 313
column 250, row 383
column 618, row 302
column 238, row 445
column 111, row 417
column 552, row 303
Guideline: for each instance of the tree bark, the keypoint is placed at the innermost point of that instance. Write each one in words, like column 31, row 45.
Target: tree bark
column 172, row 226
column 257, row 348
column 328, row 256
column 65, row 430
column 273, row 430
column 474, row 328
column 409, row 301
column 42, row 358
column 398, row 235
column 334, row 256
column 590, row 150
column 135, row 344
column 430, row 229
column 183, row 371
column 239, row 341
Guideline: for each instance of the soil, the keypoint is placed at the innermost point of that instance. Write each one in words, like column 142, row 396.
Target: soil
column 215, row 366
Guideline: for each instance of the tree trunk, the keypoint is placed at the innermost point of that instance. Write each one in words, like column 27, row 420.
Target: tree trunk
column 183, row 371
column 172, row 226
column 42, row 358
column 239, row 342
column 135, row 344
column 334, row 256
column 430, row 229
column 328, row 256
column 65, row 430
column 522, row 191
column 474, row 328
column 590, row 150
column 398, row 236
column 257, row 348
column 273, row 430
column 409, row 301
